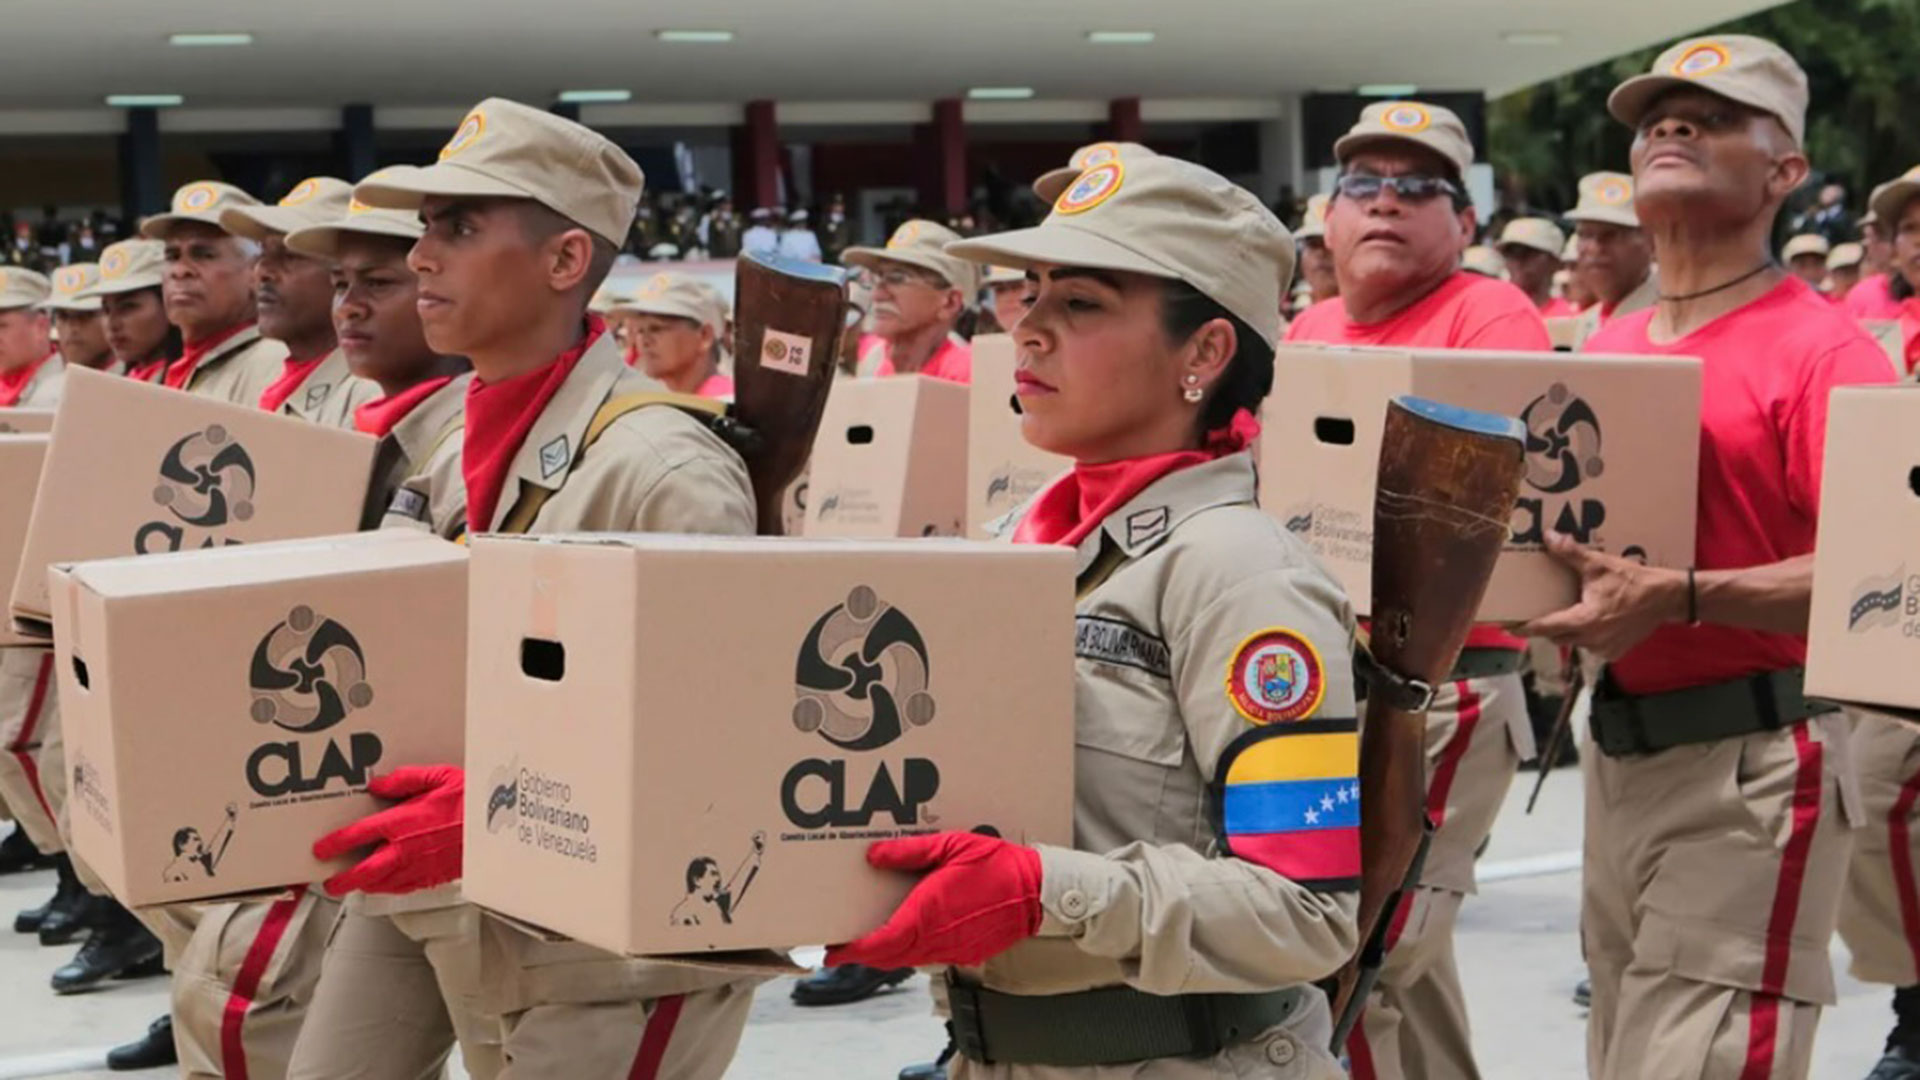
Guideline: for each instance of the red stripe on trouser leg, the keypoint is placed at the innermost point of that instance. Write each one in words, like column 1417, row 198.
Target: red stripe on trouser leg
column 653, row 1042
column 22, row 742
column 1899, row 838
column 1467, row 713
column 253, row 968
column 1763, row 1032
column 1360, row 1054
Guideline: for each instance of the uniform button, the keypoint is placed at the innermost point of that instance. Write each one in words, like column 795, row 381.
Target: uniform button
column 1073, row 904
column 1280, row 1051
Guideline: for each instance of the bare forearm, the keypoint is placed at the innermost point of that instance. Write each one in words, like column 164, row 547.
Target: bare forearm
column 1775, row 597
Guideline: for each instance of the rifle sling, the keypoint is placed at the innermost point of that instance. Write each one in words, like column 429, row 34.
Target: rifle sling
column 533, row 497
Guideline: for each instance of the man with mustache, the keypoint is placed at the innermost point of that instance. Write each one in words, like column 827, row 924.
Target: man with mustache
column 919, row 294
column 1719, row 801
column 1398, row 223
column 294, row 294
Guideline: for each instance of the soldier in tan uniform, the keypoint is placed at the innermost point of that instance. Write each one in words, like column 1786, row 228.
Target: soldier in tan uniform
column 31, row 371
column 1719, row 801
column 78, row 322
column 1616, row 255
column 1316, row 262
column 1212, row 878
column 294, row 295
column 524, row 215
column 208, row 290
column 676, row 324
column 133, row 310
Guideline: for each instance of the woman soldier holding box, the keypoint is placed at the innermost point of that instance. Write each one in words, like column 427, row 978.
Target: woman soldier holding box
column 1216, row 855
column 142, row 340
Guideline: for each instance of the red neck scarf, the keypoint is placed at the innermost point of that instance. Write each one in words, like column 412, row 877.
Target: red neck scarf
column 14, row 383
column 1075, row 505
column 182, row 369
column 498, row 419
column 152, row 371
column 292, row 375
column 377, row 417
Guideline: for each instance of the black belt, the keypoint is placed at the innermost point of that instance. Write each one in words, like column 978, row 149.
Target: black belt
column 1115, row 1025
column 1646, row 724
column 1484, row 663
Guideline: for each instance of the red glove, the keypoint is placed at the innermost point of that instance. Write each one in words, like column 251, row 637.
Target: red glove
column 981, row 899
column 418, row 842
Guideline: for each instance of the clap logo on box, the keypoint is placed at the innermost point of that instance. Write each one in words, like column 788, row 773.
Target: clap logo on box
column 207, row 481
column 1563, row 452
column 862, row 682
column 308, row 673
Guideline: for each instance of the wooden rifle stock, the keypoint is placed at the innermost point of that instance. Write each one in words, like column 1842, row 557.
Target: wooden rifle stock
column 780, row 306
column 1447, row 484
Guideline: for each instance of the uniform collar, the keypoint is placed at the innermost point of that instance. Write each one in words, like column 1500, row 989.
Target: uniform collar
column 1151, row 516
column 418, row 431
column 241, row 338
column 319, row 383
column 554, row 439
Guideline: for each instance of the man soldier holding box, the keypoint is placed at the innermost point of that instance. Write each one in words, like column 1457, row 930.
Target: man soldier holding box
column 1719, row 801
column 524, row 214
column 1397, row 224
column 919, row 294
column 1616, row 256
column 294, row 294
column 209, row 295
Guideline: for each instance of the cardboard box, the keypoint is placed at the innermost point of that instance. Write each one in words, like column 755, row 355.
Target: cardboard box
column 224, row 709
column 890, row 460
column 1613, row 453
column 684, row 744
column 136, row 469
column 21, row 458
column 1004, row 470
column 1863, row 641
column 26, row 421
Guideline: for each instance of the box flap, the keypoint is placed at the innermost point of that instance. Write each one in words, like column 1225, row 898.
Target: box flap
column 253, row 564
column 785, row 546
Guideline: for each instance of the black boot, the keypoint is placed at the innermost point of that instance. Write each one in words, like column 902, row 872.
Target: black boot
column 18, row 855
column 1902, row 1059
column 1583, row 994
column 931, row 1070
column 119, row 948
column 151, row 1051
column 66, row 921
column 65, row 894
column 846, row 984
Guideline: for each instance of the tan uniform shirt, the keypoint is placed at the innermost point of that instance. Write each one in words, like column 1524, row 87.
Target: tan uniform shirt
column 1639, row 299
column 330, row 393
column 44, row 389
column 1147, row 897
column 240, row 370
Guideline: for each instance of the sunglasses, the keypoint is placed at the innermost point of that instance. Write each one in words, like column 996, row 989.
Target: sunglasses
column 1411, row 187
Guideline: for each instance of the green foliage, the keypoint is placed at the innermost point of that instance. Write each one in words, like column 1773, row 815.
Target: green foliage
column 1859, row 56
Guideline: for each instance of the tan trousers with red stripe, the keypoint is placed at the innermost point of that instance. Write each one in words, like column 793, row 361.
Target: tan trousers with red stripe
column 1415, row 1026
column 29, row 710
column 1880, row 914
column 242, row 984
column 1713, row 881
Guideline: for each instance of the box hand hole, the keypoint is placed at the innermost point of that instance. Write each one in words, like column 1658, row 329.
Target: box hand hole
column 1335, row 430
column 543, row 660
column 1913, row 480
column 80, row 673
column 860, row 434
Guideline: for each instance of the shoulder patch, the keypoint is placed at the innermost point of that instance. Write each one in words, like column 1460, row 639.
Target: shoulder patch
column 317, row 395
column 1275, row 677
column 1114, row 642
column 408, row 503
column 1287, row 798
column 553, row 457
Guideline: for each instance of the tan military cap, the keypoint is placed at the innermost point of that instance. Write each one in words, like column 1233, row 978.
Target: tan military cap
column 69, row 283
column 1420, row 124
column 922, row 244
column 129, row 266
column 1004, row 275
column 317, row 200
column 1484, row 261
column 683, row 297
column 1054, row 181
column 202, row 201
column 22, row 288
column 322, row 239
column 1752, row 71
column 1806, row 244
column 1607, row 198
column 506, row 150
column 603, row 302
column 1313, row 224
column 1532, row 232
column 1845, row 255
column 1165, row 218
column 1891, row 198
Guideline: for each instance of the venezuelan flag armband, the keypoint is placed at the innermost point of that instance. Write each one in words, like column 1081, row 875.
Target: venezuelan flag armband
column 1287, row 797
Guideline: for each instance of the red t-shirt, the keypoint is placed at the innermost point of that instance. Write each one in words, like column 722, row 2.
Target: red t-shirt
column 1467, row 311
column 716, row 386
column 1559, row 308
column 1870, row 299
column 1766, row 371
column 953, row 361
